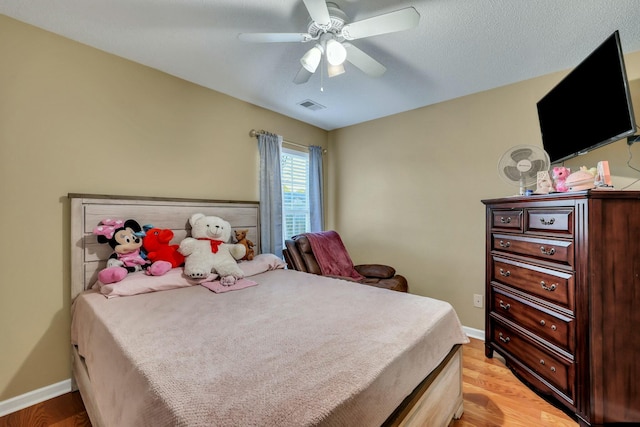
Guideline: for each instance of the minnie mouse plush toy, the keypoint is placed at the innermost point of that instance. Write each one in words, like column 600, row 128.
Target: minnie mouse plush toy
column 125, row 239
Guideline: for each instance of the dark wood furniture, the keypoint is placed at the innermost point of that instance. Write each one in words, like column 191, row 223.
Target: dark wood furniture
column 563, row 298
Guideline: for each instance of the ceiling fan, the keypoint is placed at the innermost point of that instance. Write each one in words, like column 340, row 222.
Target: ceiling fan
column 330, row 31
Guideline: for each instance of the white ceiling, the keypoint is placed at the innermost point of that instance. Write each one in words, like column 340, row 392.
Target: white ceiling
column 459, row 47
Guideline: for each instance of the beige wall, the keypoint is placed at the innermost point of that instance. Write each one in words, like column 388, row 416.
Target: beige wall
column 403, row 190
column 75, row 119
column 406, row 189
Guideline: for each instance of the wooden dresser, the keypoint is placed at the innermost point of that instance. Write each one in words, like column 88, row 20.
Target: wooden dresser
column 563, row 298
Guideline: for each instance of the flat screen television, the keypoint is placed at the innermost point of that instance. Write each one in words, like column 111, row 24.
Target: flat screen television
column 590, row 107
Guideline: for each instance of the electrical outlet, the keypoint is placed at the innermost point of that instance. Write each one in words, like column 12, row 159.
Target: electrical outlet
column 478, row 300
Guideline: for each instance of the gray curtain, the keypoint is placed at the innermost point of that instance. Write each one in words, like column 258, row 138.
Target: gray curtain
column 316, row 205
column 270, row 147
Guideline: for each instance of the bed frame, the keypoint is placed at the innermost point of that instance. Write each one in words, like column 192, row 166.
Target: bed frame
column 434, row 402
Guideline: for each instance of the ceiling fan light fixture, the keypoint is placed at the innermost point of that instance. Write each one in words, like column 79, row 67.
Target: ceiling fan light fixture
column 336, row 53
column 311, row 59
column 335, row 70
column 330, row 30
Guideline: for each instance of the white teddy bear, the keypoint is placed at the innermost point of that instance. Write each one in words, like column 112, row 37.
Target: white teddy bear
column 207, row 251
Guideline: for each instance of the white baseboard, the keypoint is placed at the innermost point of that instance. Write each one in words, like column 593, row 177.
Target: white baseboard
column 36, row 396
column 474, row 333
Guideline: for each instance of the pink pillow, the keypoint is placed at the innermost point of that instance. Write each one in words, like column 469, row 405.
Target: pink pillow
column 140, row 283
column 261, row 263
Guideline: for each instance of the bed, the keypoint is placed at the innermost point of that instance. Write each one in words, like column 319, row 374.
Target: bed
column 290, row 349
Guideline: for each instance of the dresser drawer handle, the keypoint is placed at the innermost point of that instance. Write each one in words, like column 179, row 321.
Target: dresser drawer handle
column 505, row 273
column 505, row 306
column 553, row 327
column 504, row 244
column 503, row 339
column 553, row 368
column 547, row 252
column 506, row 220
column 547, row 222
column 548, row 288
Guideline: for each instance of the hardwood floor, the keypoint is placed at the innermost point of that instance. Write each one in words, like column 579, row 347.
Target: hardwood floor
column 493, row 396
column 63, row 411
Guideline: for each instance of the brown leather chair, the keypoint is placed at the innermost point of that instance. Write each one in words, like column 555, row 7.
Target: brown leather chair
column 299, row 256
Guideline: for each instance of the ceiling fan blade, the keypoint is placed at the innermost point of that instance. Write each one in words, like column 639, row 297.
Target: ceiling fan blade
column 391, row 22
column 363, row 61
column 274, row 37
column 303, row 76
column 318, row 12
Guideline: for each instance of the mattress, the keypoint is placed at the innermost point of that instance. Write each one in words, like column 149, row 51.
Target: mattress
column 294, row 350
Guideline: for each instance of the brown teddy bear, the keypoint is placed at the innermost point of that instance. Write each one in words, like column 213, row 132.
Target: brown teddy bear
column 241, row 237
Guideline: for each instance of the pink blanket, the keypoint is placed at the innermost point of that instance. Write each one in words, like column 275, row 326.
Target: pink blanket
column 296, row 350
column 332, row 256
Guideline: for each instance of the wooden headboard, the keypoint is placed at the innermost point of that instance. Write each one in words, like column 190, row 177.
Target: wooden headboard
column 87, row 210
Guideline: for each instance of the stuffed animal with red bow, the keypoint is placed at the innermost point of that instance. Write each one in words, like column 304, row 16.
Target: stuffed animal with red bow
column 207, row 250
column 157, row 247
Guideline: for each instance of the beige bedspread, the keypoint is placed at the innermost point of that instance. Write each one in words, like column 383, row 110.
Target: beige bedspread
column 295, row 350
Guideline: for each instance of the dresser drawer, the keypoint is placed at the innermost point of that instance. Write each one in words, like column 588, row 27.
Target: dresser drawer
column 509, row 219
column 555, row 370
column 560, row 251
column 550, row 220
column 553, row 327
column 551, row 285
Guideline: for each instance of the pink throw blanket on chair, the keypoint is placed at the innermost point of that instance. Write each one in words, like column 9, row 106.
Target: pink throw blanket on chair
column 332, row 256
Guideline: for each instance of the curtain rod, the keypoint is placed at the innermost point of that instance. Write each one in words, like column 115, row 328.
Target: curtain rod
column 254, row 134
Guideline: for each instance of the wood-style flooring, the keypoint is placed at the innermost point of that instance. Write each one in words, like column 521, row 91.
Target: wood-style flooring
column 63, row 411
column 492, row 397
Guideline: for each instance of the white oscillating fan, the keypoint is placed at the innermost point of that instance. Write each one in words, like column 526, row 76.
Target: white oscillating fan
column 520, row 165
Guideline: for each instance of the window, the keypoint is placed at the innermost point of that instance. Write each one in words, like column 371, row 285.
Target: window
column 295, row 192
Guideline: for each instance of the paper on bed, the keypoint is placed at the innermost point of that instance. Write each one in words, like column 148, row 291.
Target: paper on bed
column 325, row 352
column 219, row 288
